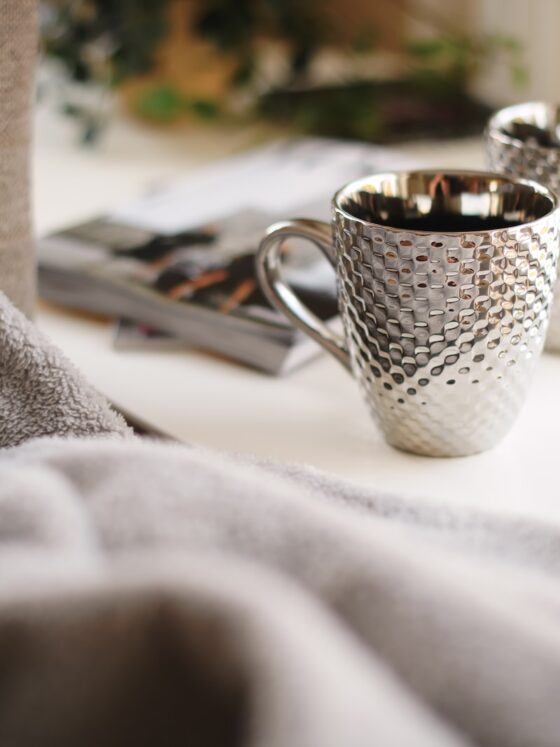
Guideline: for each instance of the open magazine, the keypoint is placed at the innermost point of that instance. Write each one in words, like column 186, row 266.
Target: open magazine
column 178, row 266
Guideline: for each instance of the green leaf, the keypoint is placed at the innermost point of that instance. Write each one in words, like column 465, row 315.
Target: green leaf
column 519, row 75
column 163, row 104
column 426, row 47
column 205, row 108
column 365, row 41
column 507, row 43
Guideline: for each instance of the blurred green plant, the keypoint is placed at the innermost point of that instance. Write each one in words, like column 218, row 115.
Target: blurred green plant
column 104, row 40
column 164, row 104
column 432, row 99
column 115, row 41
column 109, row 42
column 454, row 60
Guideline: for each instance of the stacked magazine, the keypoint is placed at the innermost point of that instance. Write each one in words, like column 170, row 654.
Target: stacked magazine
column 177, row 267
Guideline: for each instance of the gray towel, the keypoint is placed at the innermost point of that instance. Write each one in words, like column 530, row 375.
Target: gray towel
column 154, row 594
column 18, row 45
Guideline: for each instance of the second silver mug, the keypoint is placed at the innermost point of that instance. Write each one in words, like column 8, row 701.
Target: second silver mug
column 444, row 282
column 524, row 141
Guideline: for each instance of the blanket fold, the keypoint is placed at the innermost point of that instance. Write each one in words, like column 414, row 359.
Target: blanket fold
column 41, row 393
column 157, row 594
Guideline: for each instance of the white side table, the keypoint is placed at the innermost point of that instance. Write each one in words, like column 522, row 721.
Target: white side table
column 314, row 415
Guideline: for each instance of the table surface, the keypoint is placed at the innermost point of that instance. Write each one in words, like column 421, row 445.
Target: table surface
column 314, row 415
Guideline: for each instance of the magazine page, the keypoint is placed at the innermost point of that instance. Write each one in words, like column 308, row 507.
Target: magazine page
column 180, row 261
column 277, row 178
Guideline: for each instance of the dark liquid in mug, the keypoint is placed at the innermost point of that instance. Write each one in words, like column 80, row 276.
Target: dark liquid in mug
column 444, row 223
column 395, row 213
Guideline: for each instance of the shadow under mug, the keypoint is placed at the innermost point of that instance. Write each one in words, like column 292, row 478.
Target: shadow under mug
column 445, row 281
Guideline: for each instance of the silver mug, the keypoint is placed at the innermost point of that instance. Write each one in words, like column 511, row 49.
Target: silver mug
column 524, row 141
column 444, row 285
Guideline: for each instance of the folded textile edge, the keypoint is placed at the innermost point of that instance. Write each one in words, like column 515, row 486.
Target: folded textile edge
column 41, row 392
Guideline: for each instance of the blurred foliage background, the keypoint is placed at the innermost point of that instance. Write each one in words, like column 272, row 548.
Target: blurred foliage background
column 318, row 66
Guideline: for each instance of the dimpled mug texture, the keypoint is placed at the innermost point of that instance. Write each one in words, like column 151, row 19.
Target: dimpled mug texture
column 444, row 330
column 529, row 159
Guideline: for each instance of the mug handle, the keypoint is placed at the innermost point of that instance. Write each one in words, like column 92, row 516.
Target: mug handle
column 269, row 272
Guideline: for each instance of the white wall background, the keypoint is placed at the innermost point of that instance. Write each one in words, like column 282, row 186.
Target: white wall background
column 537, row 24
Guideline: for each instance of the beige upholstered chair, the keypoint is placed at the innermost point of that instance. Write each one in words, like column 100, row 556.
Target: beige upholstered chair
column 18, row 44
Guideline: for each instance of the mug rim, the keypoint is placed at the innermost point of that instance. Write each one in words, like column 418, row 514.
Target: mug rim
column 537, row 187
column 508, row 113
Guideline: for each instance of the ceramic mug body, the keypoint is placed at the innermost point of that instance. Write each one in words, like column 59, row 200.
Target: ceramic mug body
column 445, row 281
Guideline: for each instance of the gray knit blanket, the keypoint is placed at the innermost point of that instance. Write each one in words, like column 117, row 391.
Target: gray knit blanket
column 158, row 594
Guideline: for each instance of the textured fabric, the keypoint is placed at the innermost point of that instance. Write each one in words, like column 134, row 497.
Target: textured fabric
column 18, row 44
column 156, row 594
column 40, row 392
